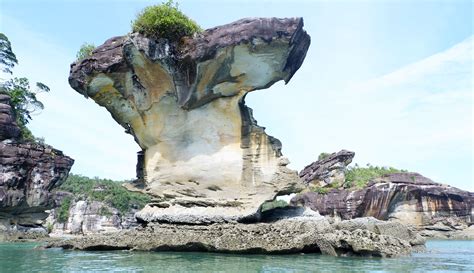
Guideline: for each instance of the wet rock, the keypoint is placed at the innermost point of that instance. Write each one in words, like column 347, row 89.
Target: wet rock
column 203, row 153
column 290, row 235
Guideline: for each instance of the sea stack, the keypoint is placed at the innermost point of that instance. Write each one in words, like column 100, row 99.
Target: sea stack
column 203, row 155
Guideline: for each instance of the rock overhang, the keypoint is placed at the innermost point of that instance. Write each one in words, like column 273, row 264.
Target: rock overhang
column 185, row 106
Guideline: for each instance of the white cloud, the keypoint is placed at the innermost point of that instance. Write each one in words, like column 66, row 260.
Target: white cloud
column 418, row 117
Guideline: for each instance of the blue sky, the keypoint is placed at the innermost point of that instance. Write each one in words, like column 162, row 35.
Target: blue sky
column 390, row 80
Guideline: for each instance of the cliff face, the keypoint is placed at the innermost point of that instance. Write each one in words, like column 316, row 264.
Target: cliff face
column 406, row 197
column 28, row 171
column 8, row 126
column 203, row 154
column 327, row 171
column 88, row 217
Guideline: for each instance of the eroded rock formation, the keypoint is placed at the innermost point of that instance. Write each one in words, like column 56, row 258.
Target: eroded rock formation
column 312, row 234
column 329, row 170
column 203, row 154
column 409, row 198
column 28, row 172
column 88, row 217
column 8, row 127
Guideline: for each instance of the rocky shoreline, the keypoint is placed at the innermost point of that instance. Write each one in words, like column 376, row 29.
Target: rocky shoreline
column 301, row 234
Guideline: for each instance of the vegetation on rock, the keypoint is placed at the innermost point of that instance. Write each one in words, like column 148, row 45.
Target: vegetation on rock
column 323, row 156
column 359, row 176
column 274, row 204
column 164, row 21
column 104, row 190
column 64, row 210
column 24, row 102
column 320, row 190
column 85, row 51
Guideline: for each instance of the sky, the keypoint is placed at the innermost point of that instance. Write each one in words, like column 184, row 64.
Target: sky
column 390, row 80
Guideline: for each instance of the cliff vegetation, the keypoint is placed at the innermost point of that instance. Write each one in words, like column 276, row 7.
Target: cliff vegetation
column 104, row 190
column 164, row 21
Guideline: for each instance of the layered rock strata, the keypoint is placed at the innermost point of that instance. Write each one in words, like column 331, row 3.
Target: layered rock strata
column 365, row 237
column 8, row 127
column 203, row 155
column 28, row 172
column 409, row 198
column 89, row 217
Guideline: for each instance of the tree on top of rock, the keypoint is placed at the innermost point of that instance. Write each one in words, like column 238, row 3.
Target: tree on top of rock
column 23, row 97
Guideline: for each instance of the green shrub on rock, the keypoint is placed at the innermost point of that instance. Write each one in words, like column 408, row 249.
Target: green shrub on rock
column 85, row 51
column 274, row 204
column 359, row 176
column 64, row 210
column 104, row 190
column 323, row 156
column 164, row 21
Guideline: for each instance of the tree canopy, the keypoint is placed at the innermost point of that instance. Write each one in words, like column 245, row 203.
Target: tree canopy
column 7, row 57
column 23, row 97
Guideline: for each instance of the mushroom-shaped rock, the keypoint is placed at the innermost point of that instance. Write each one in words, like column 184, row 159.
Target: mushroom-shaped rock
column 203, row 153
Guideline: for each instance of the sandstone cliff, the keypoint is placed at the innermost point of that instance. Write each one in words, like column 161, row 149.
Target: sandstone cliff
column 406, row 197
column 203, row 155
column 28, row 172
column 89, row 217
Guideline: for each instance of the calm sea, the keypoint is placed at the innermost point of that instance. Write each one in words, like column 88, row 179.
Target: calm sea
column 442, row 256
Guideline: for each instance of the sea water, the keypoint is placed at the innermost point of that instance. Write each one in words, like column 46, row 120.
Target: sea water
column 441, row 256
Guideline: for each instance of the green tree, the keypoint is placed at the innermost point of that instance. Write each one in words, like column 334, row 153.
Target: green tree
column 7, row 57
column 85, row 51
column 323, row 156
column 23, row 97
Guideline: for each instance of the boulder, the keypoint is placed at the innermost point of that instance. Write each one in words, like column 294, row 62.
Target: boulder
column 203, row 155
column 329, row 170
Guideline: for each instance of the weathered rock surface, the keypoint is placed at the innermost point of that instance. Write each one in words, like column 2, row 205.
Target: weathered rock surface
column 8, row 127
column 327, row 171
column 28, row 172
column 409, row 198
column 301, row 234
column 89, row 217
column 203, row 154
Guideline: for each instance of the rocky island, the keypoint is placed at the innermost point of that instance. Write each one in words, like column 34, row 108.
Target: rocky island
column 206, row 169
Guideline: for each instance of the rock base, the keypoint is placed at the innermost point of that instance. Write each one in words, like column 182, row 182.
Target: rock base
column 365, row 237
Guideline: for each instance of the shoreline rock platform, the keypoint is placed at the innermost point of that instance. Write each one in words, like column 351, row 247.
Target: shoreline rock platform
column 302, row 234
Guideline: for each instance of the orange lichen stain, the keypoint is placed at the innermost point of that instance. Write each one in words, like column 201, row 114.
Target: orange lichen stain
column 154, row 77
column 208, row 70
